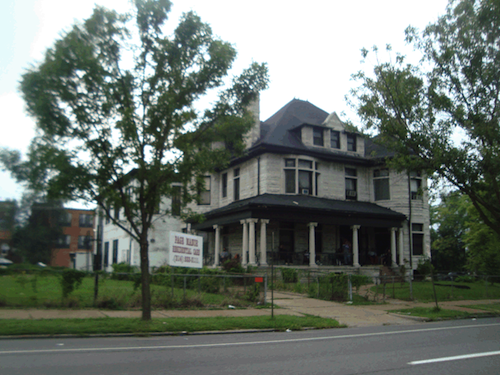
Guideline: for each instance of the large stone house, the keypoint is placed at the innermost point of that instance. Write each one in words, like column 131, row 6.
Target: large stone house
column 305, row 186
column 308, row 185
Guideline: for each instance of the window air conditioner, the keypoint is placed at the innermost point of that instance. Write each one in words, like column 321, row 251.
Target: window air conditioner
column 305, row 191
column 351, row 193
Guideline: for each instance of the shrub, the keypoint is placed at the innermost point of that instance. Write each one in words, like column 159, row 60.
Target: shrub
column 290, row 275
column 333, row 287
column 359, row 280
column 122, row 271
column 70, row 280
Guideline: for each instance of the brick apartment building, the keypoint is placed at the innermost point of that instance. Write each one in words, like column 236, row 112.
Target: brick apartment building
column 74, row 248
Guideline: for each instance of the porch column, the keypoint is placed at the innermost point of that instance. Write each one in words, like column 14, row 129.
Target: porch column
column 393, row 246
column 263, row 242
column 217, row 244
column 244, row 244
column 401, row 255
column 355, row 246
column 251, row 241
column 312, row 245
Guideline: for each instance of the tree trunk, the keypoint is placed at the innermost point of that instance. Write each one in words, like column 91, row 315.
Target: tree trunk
column 146, row 293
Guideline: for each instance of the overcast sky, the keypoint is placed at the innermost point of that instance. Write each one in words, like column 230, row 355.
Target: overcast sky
column 311, row 47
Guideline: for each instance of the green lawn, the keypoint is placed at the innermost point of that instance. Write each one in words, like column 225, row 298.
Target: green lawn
column 176, row 325
column 432, row 314
column 491, row 307
column 29, row 291
column 445, row 290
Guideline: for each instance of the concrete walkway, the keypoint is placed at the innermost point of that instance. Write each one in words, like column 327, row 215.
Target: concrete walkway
column 288, row 303
column 352, row 316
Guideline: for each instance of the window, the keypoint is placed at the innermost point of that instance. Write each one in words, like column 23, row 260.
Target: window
column 176, row 200
column 418, row 239
column 117, row 213
column 205, row 192
column 290, row 181
column 351, row 142
column 236, row 184
column 86, row 221
column 381, row 184
column 106, row 254
column 351, row 184
column 65, row 219
column 334, row 139
column 224, row 185
column 83, row 242
column 415, row 185
column 300, row 179
column 115, row 251
column 64, row 241
column 318, row 137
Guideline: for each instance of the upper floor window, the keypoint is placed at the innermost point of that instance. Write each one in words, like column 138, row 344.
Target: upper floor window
column 334, row 139
column 318, row 137
column 381, row 184
column 351, row 142
column 415, row 185
column 65, row 219
column 117, row 212
column 236, row 184
column 299, row 176
column 205, row 192
column 224, row 185
column 417, row 238
column 86, row 221
column 351, row 182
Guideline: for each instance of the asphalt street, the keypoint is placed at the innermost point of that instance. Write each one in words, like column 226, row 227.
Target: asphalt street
column 452, row 347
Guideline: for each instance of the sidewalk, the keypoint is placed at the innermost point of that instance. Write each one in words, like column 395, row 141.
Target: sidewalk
column 289, row 304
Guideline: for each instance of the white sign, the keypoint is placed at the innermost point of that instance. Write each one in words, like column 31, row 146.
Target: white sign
column 186, row 250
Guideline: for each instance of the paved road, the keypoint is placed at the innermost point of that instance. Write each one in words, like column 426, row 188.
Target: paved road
column 362, row 350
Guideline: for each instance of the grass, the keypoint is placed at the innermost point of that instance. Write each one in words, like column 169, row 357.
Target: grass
column 85, row 327
column 491, row 307
column 28, row 291
column 446, row 291
column 432, row 313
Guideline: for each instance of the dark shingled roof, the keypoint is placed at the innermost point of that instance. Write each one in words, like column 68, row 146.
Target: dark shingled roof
column 304, row 208
column 282, row 132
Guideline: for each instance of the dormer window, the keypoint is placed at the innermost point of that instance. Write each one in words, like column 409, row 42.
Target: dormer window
column 334, row 139
column 318, row 137
column 351, row 142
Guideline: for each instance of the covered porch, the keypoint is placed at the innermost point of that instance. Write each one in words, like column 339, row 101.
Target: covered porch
column 304, row 231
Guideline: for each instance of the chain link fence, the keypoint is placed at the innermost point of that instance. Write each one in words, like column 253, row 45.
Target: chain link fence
column 34, row 287
column 358, row 288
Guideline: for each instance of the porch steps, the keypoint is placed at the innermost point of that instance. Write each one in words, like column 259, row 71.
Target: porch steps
column 390, row 274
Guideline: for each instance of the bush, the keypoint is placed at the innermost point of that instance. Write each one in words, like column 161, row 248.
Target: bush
column 359, row 280
column 70, row 280
column 290, row 275
column 465, row 279
column 333, row 287
column 122, row 271
column 233, row 266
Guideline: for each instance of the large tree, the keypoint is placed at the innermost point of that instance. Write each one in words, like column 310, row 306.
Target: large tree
column 450, row 222
column 442, row 115
column 116, row 103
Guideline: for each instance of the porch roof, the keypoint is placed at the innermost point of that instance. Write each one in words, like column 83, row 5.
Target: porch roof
column 303, row 209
